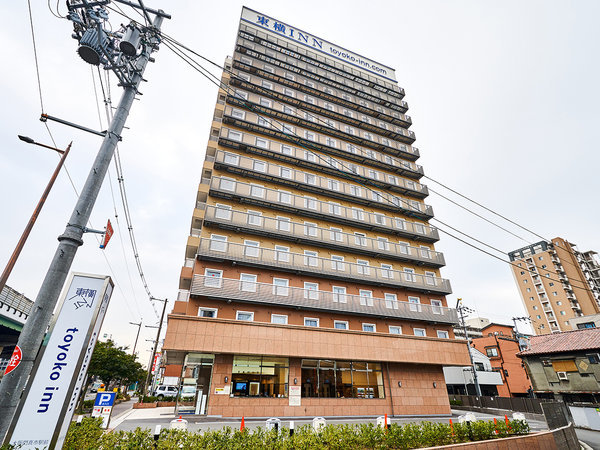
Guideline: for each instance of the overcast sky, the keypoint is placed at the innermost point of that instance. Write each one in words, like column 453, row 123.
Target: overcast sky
column 504, row 99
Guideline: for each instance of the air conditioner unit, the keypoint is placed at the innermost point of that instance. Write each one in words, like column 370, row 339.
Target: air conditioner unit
column 562, row 376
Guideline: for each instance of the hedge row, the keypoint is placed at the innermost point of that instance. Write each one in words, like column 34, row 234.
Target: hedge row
column 88, row 435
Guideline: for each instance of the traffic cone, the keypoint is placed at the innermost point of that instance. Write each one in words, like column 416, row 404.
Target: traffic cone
column 507, row 422
column 495, row 426
column 386, row 424
column 452, row 427
column 242, row 425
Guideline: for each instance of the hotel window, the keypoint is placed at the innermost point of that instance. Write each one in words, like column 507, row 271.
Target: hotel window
column 349, row 130
column 310, row 229
column 360, row 239
column 286, row 150
column 244, row 76
column 254, row 217
column 207, row 312
column 234, row 135
column 347, row 113
column 257, row 191
column 310, row 202
column 310, row 178
column 339, row 294
column 242, row 94
column 282, row 253
column 285, row 172
column 248, row 282
column 358, row 214
column 415, row 304
column 213, row 278
column 267, row 85
column 372, row 174
column 310, row 136
column 227, row 184
column 362, row 267
column 382, row 243
column 309, row 83
column 285, row 197
column 223, row 211
column 218, row 243
column 283, row 223
column 251, row 248
column 388, row 160
column 281, row 286
column 394, row 329
column 387, row 271
column 289, row 76
column 415, row 205
column 419, row 228
column 333, row 185
column 289, row 92
column 288, row 129
column 265, row 102
column 368, row 327
column 400, row 223
column 352, row 168
column 311, row 291
column 335, row 234
column 335, row 208
column 340, row 324
column 308, row 99
column 442, row 334
column 259, row 166
column 363, row 103
column 436, row 306
column 352, row 149
column 308, row 116
column 365, row 297
column 288, row 110
column 409, row 275
column 377, row 196
column 419, row 332
column 263, row 123
column 311, row 322
column 392, row 179
column 365, row 119
column 385, row 141
column 331, row 142
column 238, row 114
column 379, row 219
column 329, row 106
column 356, row 191
column 310, row 156
column 256, row 376
column 492, row 351
column 280, row 319
column 425, row 253
column 310, row 258
column 337, row 262
column 391, row 301
column 268, row 69
column 368, row 136
column 341, row 379
column 231, row 158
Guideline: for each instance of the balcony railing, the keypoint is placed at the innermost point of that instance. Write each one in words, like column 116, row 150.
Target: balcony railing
column 321, row 237
column 267, row 170
column 264, row 195
column 264, row 293
column 9, row 298
column 320, row 267
column 311, row 207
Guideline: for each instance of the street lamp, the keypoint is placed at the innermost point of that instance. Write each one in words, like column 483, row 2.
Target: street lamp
column 13, row 258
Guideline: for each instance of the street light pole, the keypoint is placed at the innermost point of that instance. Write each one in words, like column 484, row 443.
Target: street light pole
column 139, row 325
column 162, row 316
column 32, row 335
column 461, row 310
column 36, row 212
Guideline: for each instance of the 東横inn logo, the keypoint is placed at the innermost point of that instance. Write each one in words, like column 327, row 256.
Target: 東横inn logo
column 83, row 298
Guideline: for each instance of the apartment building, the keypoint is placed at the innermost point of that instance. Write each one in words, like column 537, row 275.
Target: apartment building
column 311, row 284
column 557, row 283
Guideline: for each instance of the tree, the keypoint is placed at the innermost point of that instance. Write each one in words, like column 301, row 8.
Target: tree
column 111, row 363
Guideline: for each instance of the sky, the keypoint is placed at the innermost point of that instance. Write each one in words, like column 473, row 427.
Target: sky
column 503, row 98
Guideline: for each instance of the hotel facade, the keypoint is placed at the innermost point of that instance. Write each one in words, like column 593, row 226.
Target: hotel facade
column 311, row 284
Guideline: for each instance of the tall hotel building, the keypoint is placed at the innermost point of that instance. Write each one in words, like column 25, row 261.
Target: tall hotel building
column 311, row 285
column 557, row 283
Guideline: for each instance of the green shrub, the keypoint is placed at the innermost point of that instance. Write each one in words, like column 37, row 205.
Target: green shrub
column 455, row 402
column 88, row 435
column 149, row 399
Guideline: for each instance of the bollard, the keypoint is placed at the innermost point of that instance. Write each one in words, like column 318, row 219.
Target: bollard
column 519, row 416
column 156, row 435
column 178, row 424
column 382, row 421
column 291, row 428
column 79, row 419
column 273, row 424
column 319, row 423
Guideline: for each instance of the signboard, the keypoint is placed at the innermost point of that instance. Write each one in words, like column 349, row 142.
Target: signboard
column 107, row 235
column 14, row 361
column 103, row 406
column 302, row 38
column 294, row 396
column 156, row 362
column 53, row 388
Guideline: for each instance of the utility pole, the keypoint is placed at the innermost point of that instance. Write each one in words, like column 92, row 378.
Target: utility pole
column 36, row 212
column 162, row 316
column 516, row 331
column 88, row 19
column 462, row 311
column 139, row 325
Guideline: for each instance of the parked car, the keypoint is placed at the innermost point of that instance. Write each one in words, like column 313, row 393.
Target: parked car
column 163, row 391
column 95, row 386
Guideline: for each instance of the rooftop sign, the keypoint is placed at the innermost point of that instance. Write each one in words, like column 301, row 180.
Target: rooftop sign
column 316, row 44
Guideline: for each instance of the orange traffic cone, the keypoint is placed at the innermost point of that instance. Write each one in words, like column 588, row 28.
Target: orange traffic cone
column 495, row 426
column 507, row 423
column 242, row 425
column 452, row 427
column 386, row 424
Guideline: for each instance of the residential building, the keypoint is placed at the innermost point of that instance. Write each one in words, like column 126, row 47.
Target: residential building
column 565, row 366
column 460, row 380
column 557, row 283
column 311, row 284
column 591, row 321
column 473, row 327
column 14, row 311
column 500, row 345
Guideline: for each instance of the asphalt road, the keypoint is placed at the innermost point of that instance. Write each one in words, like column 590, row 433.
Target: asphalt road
column 590, row 437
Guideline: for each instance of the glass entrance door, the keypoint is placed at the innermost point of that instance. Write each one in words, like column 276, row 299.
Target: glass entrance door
column 195, row 384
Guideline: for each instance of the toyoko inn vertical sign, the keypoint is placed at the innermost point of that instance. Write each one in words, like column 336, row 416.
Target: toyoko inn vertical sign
column 55, row 385
column 316, row 44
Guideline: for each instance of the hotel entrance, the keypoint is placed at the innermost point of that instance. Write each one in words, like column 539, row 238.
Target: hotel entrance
column 194, row 388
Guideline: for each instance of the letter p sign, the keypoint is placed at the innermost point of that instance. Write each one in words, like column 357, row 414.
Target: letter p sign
column 105, row 399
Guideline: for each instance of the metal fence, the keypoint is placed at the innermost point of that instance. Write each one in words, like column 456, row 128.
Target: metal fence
column 520, row 404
